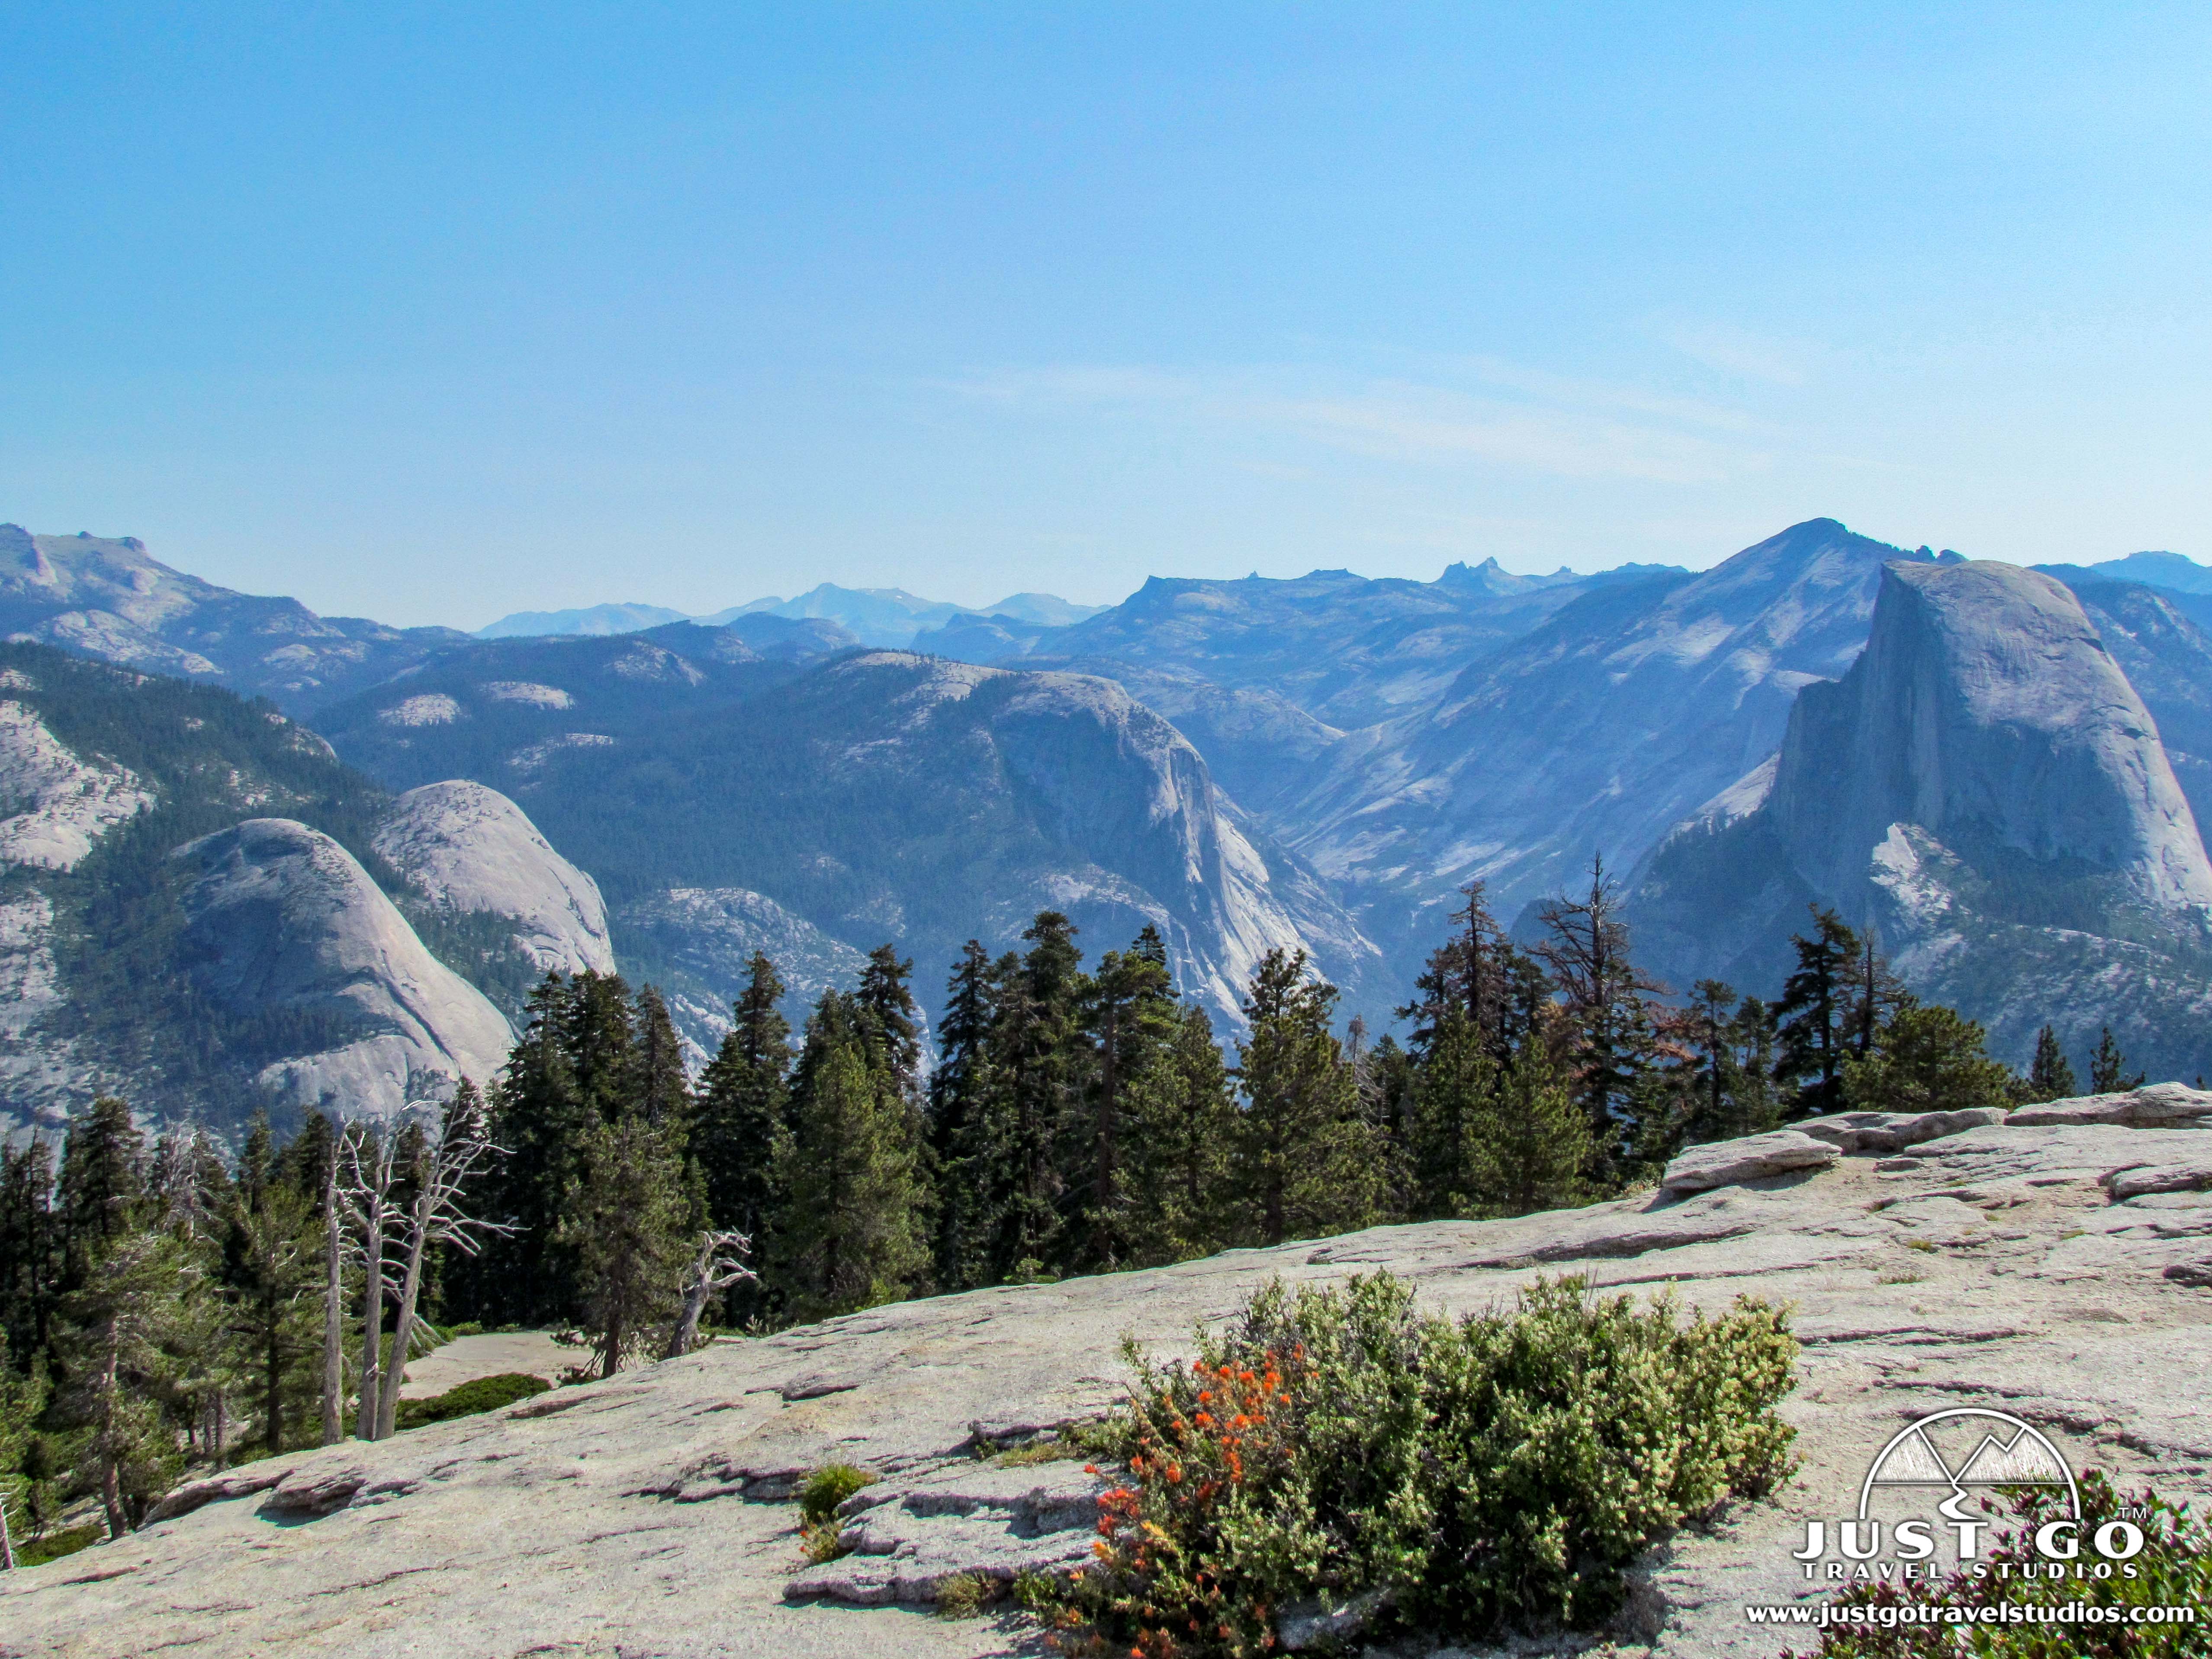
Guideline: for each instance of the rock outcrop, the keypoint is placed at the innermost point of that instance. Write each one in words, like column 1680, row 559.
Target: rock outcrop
column 280, row 919
column 471, row 848
column 650, row 1513
column 1986, row 790
column 57, row 805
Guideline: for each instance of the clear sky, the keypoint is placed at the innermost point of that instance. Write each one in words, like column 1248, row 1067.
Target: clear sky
column 431, row 313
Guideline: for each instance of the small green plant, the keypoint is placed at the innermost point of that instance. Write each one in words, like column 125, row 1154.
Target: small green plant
column 963, row 1596
column 819, row 1494
column 467, row 1328
column 482, row 1394
column 1459, row 1477
column 1926, row 1620
column 51, row 1546
column 1053, row 1449
column 1900, row 1276
column 1926, row 1247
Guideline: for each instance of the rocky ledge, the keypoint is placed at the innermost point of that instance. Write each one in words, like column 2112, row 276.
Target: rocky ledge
column 2052, row 1269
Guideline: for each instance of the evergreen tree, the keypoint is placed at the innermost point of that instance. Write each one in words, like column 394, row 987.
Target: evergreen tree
column 1182, row 1149
column 2108, row 1067
column 1456, row 1086
column 1386, row 1077
column 737, row 1136
column 540, row 1116
column 30, row 1247
column 892, row 1022
column 1036, row 1065
column 1814, row 1012
column 627, row 1219
column 1926, row 1059
column 23, row 1398
column 1611, row 1043
column 1875, row 996
column 600, row 1036
column 962, row 1124
column 2050, row 1075
column 272, row 1271
column 103, row 1183
column 1129, row 1016
column 115, row 1369
column 846, row 1235
column 1307, row 1162
column 662, row 1088
column 1528, row 1144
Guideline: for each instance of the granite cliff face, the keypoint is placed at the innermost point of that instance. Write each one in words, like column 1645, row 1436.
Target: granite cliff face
column 280, row 919
column 470, row 849
column 2047, row 1267
column 1987, row 791
column 1596, row 732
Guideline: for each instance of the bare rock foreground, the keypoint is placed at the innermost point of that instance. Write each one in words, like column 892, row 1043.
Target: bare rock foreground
column 2010, row 1264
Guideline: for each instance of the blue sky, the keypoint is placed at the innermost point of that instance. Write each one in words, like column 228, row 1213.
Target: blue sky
column 431, row 313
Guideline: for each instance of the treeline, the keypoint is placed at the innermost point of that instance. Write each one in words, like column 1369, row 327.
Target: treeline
column 158, row 1307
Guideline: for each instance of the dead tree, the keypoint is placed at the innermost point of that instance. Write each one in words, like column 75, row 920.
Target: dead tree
column 463, row 1150
column 365, row 1193
column 333, row 1303
column 719, row 1264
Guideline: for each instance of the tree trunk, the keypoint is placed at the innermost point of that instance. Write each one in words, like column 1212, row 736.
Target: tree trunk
column 387, row 1399
column 372, row 1326
column 696, row 1295
column 111, row 1474
column 612, row 1347
column 333, row 1311
column 7, row 1543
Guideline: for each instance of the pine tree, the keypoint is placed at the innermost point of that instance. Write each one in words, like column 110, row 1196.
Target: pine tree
column 626, row 1220
column 103, row 1183
column 891, row 1020
column 1454, row 1087
column 1182, row 1149
column 1815, row 1013
column 272, row 1270
column 846, row 1235
column 540, row 1114
column 1128, row 1014
column 962, row 1125
column 1036, row 1063
column 1927, row 1060
column 2108, row 1067
column 2050, row 1075
column 22, row 1397
column 661, row 1088
column 1610, row 1040
column 115, row 1326
column 1307, row 1161
column 31, row 1236
column 1529, row 1144
column 739, row 1131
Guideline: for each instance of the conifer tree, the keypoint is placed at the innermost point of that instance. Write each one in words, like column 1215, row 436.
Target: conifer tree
column 22, row 1397
column 1814, row 1012
column 661, row 1087
column 1129, row 1015
column 1306, row 1159
column 114, row 1328
column 103, row 1183
column 2050, row 1075
column 1037, row 1070
column 846, row 1235
column 1927, row 1060
column 1182, row 1149
column 1455, row 1087
column 738, row 1130
column 539, row 1114
column 30, row 1247
column 2108, row 1067
column 962, row 1125
column 272, row 1267
column 1529, row 1144
column 1611, row 1043
column 627, row 1219
column 887, row 1013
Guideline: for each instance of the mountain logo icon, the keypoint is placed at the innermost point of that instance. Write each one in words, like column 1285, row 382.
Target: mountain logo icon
column 2008, row 1452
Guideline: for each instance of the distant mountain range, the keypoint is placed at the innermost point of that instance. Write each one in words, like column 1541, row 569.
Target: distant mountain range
column 2002, row 771
column 872, row 616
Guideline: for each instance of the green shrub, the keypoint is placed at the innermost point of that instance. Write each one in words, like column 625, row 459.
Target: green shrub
column 2174, row 1569
column 51, row 1546
column 963, row 1594
column 1462, row 1478
column 821, row 1492
column 485, row 1394
column 467, row 1328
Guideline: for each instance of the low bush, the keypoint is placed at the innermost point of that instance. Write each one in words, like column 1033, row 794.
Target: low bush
column 485, row 1394
column 818, row 1496
column 1916, row 1620
column 1458, row 1479
column 52, row 1545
